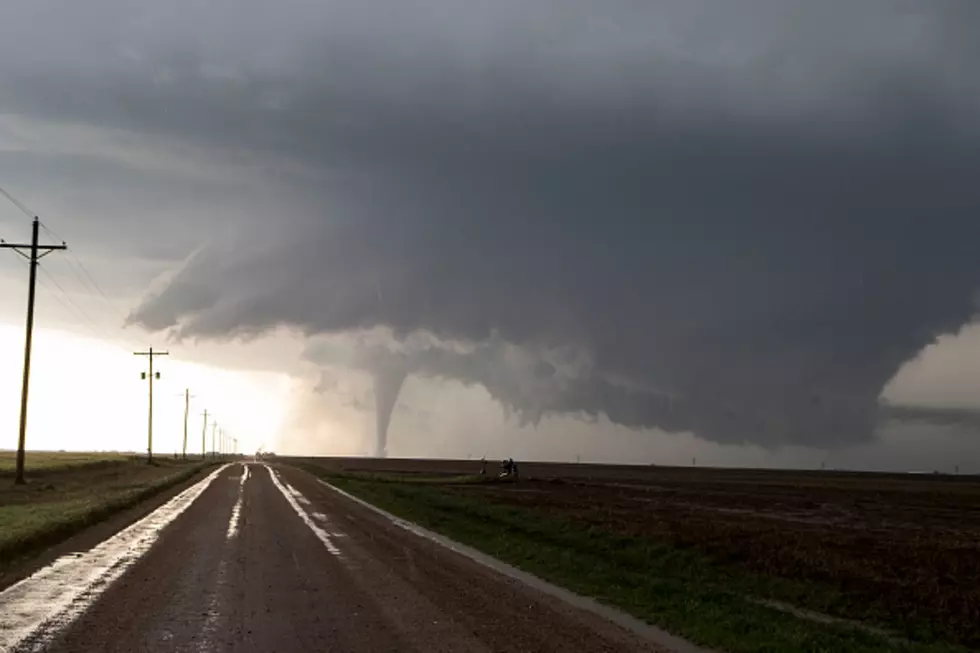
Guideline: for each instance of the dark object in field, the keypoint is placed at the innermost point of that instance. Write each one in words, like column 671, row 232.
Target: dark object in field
column 510, row 469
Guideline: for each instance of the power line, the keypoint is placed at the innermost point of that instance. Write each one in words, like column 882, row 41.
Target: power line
column 91, row 284
column 71, row 311
column 56, row 295
column 50, row 231
column 98, row 328
column 113, row 325
column 88, row 283
column 78, row 310
column 97, row 287
column 79, row 313
column 15, row 202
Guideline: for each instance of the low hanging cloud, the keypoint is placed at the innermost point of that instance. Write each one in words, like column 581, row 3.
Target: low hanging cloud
column 678, row 215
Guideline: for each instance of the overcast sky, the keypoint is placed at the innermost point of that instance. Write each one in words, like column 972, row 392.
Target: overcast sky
column 623, row 228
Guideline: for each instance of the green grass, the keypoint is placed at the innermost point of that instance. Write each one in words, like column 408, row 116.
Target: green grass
column 414, row 478
column 62, row 500
column 681, row 590
column 54, row 460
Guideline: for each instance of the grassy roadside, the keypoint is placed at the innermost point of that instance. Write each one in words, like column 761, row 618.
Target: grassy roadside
column 65, row 500
column 678, row 589
column 49, row 461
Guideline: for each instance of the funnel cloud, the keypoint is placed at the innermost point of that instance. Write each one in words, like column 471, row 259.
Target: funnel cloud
column 387, row 385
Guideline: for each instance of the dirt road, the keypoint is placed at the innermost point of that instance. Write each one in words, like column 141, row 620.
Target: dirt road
column 265, row 559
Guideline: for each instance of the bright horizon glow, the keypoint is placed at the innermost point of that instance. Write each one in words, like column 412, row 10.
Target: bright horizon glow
column 87, row 395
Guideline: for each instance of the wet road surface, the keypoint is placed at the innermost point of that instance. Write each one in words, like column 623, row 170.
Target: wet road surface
column 269, row 559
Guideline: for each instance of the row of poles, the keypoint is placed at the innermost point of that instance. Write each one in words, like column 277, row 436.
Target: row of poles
column 34, row 252
column 220, row 443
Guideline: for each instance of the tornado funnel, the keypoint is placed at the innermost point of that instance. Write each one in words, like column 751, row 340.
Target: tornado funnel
column 387, row 385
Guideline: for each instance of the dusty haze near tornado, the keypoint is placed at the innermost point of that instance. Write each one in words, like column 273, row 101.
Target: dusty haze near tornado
column 732, row 220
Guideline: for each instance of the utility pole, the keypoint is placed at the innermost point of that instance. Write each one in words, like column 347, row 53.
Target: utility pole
column 187, row 410
column 149, row 426
column 33, row 258
column 204, row 435
column 214, row 429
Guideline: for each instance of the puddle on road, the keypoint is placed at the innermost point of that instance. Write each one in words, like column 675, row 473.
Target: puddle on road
column 294, row 497
column 35, row 610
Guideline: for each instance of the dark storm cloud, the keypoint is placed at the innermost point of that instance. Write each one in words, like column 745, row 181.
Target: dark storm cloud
column 776, row 287
column 744, row 221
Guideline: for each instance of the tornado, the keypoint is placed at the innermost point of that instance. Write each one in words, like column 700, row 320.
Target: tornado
column 387, row 384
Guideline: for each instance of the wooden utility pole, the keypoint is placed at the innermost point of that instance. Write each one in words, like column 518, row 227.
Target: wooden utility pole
column 33, row 259
column 204, row 435
column 149, row 427
column 187, row 410
column 214, row 430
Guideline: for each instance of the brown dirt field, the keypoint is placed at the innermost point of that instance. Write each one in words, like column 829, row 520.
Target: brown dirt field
column 902, row 546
